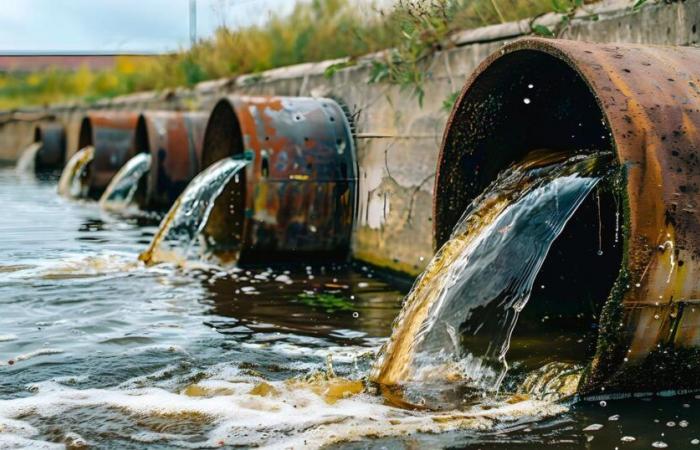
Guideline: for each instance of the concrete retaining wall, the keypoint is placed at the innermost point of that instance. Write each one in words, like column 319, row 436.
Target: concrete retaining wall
column 397, row 141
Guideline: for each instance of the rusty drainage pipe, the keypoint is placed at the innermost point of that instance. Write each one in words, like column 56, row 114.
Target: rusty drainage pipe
column 296, row 198
column 643, row 103
column 112, row 135
column 174, row 140
column 52, row 155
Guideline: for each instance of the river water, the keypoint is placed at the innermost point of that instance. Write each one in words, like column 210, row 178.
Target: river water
column 97, row 350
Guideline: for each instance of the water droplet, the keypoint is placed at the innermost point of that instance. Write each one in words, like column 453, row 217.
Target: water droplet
column 656, row 316
column 526, row 101
column 356, row 314
column 670, row 424
column 600, row 252
column 530, row 86
column 695, row 441
column 659, row 444
column 683, row 424
column 614, row 418
column 603, row 403
column 628, row 438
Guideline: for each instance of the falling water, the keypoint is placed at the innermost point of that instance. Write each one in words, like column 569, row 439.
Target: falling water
column 27, row 160
column 122, row 189
column 188, row 215
column 451, row 339
column 71, row 182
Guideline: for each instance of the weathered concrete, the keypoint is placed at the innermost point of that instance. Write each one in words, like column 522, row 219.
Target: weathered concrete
column 397, row 141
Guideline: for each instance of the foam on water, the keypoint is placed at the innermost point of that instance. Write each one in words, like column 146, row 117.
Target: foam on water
column 122, row 189
column 247, row 410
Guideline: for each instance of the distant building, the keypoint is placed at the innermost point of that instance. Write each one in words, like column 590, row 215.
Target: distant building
column 36, row 62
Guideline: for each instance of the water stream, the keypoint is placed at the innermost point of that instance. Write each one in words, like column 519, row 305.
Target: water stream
column 187, row 217
column 450, row 342
column 120, row 192
column 98, row 349
column 71, row 184
column 27, row 159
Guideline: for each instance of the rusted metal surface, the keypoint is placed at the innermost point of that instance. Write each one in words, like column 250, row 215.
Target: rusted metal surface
column 174, row 140
column 52, row 155
column 644, row 103
column 297, row 196
column 112, row 135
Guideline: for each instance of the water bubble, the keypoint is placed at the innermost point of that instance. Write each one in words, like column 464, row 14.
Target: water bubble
column 683, row 424
column 356, row 314
column 659, row 444
column 656, row 316
column 614, row 417
column 670, row 424
column 530, row 86
column 695, row 441
column 600, row 252
column 593, row 427
column 603, row 403
column 628, row 438
column 526, row 101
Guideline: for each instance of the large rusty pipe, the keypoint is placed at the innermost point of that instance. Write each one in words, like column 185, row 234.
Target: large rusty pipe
column 52, row 154
column 112, row 135
column 643, row 102
column 174, row 140
column 296, row 198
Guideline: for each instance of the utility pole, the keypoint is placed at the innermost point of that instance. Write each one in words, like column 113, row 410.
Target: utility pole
column 193, row 22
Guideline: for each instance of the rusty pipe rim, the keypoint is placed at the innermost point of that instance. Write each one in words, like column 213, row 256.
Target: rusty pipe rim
column 296, row 197
column 643, row 102
column 174, row 139
column 112, row 134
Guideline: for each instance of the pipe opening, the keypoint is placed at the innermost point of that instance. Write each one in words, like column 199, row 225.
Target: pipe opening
column 85, row 136
column 524, row 101
column 141, row 141
column 223, row 138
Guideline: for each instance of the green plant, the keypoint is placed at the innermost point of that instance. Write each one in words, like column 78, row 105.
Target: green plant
column 328, row 302
column 315, row 30
column 567, row 9
column 450, row 101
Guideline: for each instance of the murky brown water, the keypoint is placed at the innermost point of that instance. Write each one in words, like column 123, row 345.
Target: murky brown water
column 97, row 349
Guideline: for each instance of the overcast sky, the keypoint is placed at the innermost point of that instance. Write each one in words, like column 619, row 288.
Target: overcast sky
column 120, row 25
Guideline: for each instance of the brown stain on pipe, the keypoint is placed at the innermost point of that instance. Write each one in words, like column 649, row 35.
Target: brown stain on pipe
column 174, row 140
column 112, row 135
column 649, row 100
column 296, row 198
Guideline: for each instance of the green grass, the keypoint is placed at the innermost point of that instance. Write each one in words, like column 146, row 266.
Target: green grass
column 316, row 30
